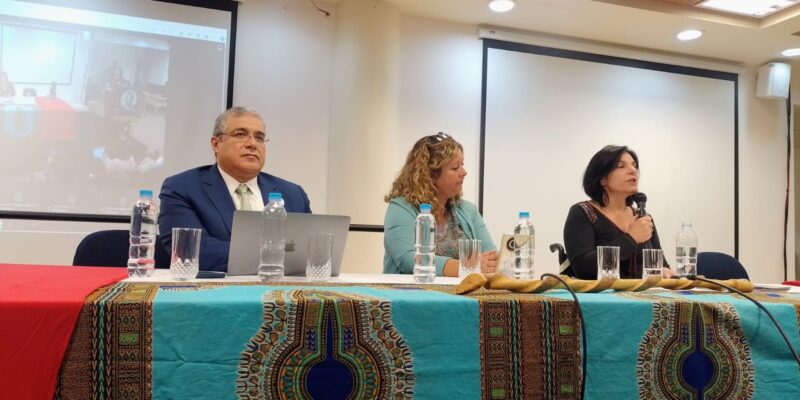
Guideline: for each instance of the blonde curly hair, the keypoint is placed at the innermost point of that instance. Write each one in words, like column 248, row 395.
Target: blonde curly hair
column 423, row 165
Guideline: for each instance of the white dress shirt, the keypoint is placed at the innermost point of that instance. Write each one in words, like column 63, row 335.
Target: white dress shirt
column 256, row 201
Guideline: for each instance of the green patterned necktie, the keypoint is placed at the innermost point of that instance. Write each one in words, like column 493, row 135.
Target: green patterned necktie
column 244, row 197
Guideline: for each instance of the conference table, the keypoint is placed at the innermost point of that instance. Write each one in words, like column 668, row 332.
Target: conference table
column 383, row 336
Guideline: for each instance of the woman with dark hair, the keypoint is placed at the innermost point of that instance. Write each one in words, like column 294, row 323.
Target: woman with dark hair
column 611, row 179
column 434, row 174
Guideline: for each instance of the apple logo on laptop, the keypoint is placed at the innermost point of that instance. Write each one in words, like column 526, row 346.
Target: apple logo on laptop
column 289, row 246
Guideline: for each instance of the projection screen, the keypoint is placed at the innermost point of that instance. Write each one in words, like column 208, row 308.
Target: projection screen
column 106, row 98
column 547, row 111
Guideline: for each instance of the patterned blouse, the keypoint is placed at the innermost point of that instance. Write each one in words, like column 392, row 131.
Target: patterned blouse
column 447, row 236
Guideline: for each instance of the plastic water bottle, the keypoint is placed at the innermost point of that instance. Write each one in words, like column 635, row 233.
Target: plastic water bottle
column 144, row 222
column 425, row 245
column 525, row 244
column 686, row 250
column 273, row 239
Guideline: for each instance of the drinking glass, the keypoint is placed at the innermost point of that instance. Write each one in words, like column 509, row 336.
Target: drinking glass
column 607, row 262
column 652, row 262
column 318, row 257
column 469, row 257
column 185, row 261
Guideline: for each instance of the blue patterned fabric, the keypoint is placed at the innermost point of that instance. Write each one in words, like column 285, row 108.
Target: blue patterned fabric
column 685, row 339
column 199, row 336
column 254, row 342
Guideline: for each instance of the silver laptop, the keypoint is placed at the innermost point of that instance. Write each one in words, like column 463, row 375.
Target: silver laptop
column 246, row 237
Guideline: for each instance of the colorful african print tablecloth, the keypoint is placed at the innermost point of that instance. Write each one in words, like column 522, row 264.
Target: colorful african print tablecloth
column 229, row 341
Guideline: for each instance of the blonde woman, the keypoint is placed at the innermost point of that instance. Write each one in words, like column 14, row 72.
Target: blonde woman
column 434, row 174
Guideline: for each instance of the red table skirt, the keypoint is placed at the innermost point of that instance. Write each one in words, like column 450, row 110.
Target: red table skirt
column 38, row 309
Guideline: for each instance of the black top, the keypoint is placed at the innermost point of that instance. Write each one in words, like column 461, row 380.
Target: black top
column 586, row 228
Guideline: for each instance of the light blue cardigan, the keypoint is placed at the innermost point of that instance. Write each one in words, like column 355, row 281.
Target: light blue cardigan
column 398, row 234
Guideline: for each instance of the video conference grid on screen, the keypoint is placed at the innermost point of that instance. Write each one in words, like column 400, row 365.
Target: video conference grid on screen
column 97, row 103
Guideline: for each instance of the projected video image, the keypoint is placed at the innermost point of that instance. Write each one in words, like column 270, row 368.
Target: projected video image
column 85, row 108
column 90, row 105
column 100, row 94
column 126, row 88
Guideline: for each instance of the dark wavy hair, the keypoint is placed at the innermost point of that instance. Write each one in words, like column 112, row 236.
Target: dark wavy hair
column 601, row 164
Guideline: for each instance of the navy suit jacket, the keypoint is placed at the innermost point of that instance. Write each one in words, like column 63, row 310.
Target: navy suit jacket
column 198, row 198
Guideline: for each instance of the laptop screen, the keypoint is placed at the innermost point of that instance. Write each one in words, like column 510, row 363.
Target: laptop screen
column 246, row 237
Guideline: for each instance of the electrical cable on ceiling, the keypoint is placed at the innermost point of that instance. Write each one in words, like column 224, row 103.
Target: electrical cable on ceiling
column 327, row 14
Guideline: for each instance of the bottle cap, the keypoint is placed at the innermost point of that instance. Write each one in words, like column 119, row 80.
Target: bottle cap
column 524, row 214
column 274, row 196
column 146, row 193
column 425, row 207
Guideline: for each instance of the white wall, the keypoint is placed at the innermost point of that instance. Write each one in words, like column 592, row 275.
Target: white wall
column 284, row 54
column 363, row 109
column 762, row 183
column 794, row 235
column 430, row 70
column 284, row 68
column 440, row 90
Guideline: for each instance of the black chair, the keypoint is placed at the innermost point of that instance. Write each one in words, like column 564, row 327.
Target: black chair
column 103, row 249
column 162, row 256
column 563, row 260
column 713, row 265
column 562, row 254
column 29, row 92
column 110, row 249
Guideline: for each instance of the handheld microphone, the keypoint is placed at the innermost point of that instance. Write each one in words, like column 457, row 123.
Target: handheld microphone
column 641, row 200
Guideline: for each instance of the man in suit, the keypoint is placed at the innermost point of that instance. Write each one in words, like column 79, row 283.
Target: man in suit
column 206, row 197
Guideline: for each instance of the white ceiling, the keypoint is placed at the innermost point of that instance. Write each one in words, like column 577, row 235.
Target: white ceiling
column 648, row 24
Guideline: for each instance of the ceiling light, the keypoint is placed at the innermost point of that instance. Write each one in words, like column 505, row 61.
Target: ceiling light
column 502, row 5
column 689, row 34
column 757, row 8
column 791, row 52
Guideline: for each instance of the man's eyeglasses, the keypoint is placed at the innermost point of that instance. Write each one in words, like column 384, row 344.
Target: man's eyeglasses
column 241, row 135
column 439, row 137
